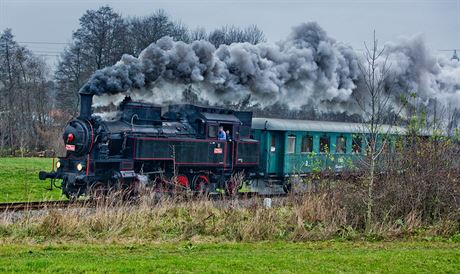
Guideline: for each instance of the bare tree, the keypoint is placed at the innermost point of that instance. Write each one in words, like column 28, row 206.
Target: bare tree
column 452, row 115
column 100, row 41
column 70, row 76
column 227, row 35
column 376, row 107
column 24, row 87
column 102, row 37
column 7, row 46
column 218, row 37
column 180, row 32
column 198, row 34
column 254, row 35
column 146, row 30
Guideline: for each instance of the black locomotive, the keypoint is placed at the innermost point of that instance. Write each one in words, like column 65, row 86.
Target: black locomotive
column 168, row 148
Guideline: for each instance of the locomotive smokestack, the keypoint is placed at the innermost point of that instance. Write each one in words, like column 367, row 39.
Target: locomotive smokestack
column 86, row 101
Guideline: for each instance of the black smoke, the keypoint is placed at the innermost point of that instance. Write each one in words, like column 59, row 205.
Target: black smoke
column 307, row 70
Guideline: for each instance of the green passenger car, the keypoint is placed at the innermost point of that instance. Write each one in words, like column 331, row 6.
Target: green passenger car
column 299, row 147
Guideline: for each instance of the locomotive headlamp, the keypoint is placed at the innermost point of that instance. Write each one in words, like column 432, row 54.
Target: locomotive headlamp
column 58, row 164
column 79, row 166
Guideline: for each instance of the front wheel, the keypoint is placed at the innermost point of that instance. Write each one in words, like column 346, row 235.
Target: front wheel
column 70, row 190
column 98, row 191
column 71, row 197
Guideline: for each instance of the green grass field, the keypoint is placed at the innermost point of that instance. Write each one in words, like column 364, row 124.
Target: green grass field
column 320, row 257
column 19, row 180
column 24, row 250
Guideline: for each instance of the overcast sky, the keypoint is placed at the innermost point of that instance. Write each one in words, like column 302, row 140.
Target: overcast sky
column 352, row 22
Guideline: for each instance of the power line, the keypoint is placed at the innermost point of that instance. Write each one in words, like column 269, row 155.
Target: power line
column 44, row 43
column 46, row 51
column 47, row 55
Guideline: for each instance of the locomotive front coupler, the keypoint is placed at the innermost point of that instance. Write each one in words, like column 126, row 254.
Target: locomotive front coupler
column 69, row 177
column 43, row 175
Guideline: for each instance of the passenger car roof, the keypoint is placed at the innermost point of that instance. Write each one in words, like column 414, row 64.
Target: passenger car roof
column 319, row 126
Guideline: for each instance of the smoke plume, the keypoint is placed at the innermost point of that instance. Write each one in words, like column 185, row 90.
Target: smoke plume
column 306, row 70
column 415, row 69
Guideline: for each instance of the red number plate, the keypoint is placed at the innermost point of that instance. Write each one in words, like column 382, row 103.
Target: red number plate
column 70, row 147
column 218, row 151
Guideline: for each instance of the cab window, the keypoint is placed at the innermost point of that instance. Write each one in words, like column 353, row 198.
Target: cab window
column 200, row 126
column 212, row 131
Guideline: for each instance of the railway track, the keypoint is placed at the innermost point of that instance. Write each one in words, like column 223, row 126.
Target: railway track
column 24, row 206
column 39, row 205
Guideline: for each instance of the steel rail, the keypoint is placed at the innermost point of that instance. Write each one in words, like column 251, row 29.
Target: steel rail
column 60, row 204
column 37, row 205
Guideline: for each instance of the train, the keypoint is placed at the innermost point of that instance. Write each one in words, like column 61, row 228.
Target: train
column 177, row 149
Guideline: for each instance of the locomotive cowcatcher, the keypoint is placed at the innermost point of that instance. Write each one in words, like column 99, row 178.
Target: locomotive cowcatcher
column 173, row 148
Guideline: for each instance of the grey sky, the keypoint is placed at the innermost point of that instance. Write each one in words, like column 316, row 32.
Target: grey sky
column 349, row 21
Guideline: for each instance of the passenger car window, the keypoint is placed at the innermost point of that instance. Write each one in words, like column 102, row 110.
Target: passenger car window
column 291, row 144
column 356, row 144
column 272, row 143
column 307, row 144
column 324, row 144
column 341, row 145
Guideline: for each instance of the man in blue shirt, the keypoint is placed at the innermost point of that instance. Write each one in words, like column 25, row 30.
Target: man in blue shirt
column 221, row 136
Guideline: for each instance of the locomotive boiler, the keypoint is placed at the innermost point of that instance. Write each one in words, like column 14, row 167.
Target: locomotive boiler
column 167, row 148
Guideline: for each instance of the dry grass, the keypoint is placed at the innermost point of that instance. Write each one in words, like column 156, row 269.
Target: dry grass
column 314, row 216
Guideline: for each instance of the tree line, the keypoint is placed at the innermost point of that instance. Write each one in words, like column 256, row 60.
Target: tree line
column 35, row 102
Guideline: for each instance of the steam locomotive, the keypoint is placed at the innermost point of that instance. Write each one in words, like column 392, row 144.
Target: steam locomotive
column 177, row 149
column 169, row 149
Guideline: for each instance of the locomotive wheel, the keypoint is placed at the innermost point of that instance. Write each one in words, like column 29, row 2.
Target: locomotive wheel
column 121, row 190
column 181, row 183
column 231, row 188
column 201, row 184
column 71, row 197
column 98, row 191
column 130, row 191
column 160, row 184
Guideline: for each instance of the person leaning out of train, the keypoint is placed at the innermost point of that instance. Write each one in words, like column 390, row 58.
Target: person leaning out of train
column 222, row 136
column 229, row 137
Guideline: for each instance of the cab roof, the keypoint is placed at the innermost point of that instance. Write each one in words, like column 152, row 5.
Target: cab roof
column 230, row 118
